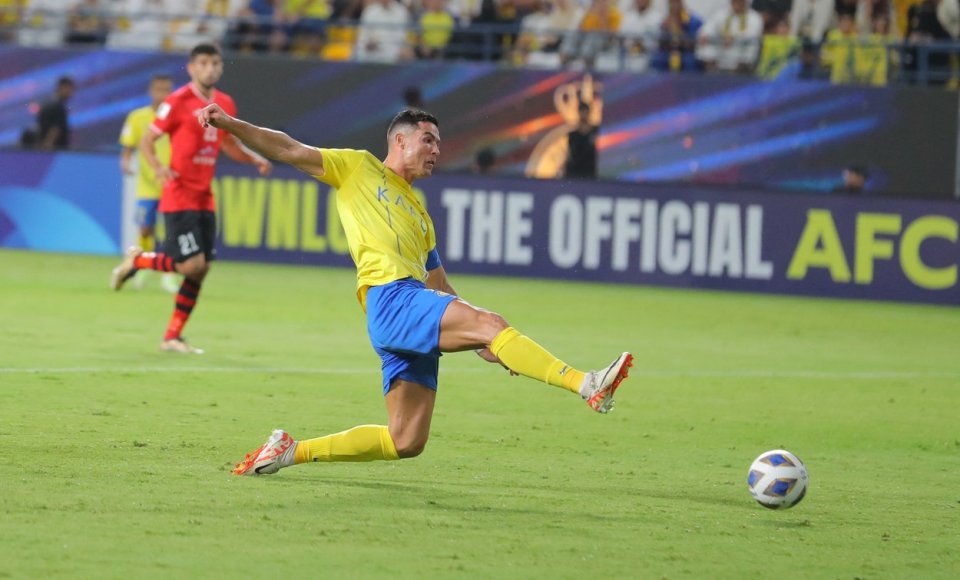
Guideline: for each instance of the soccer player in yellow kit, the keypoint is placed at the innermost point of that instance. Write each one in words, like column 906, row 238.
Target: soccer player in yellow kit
column 413, row 313
column 148, row 186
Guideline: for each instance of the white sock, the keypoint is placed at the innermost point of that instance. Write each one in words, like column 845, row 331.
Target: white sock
column 586, row 387
column 286, row 459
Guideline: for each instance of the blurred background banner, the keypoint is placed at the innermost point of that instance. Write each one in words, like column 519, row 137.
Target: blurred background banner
column 669, row 235
column 656, row 128
column 683, row 236
column 69, row 202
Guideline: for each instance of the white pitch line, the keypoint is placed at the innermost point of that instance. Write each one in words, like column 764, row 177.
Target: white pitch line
column 741, row 374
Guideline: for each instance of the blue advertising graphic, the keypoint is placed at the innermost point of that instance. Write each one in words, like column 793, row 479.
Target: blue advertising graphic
column 850, row 247
column 60, row 203
column 653, row 128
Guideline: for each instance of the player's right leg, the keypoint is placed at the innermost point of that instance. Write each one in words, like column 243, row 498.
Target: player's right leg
column 466, row 327
column 147, row 222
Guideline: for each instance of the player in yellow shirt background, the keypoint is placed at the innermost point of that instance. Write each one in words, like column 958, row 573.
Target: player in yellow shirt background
column 413, row 313
column 148, row 187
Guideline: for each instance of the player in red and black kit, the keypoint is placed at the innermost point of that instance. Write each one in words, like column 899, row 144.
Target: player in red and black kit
column 187, row 202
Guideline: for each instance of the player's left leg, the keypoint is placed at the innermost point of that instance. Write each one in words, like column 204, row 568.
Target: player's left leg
column 409, row 408
column 190, row 246
column 409, row 411
column 194, row 270
column 403, row 322
column 466, row 327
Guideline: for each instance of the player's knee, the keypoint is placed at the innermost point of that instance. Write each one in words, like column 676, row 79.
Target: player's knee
column 195, row 270
column 411, row 449
column 409, row 444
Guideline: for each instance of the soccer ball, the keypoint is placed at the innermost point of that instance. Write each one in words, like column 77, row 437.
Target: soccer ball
column 777, row 479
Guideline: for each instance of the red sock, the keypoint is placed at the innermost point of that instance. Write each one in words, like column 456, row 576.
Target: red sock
column 154, row 261
column 185, row 301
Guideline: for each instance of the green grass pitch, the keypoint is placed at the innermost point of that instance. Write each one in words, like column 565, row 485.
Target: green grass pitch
column 115, row 457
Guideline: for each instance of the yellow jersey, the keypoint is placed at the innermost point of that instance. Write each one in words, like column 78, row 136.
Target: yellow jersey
column 133, row 129
column 437, row 29
column 314, row 9
column 388, row 230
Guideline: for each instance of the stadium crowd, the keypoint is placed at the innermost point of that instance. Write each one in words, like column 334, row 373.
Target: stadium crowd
column 848, row 41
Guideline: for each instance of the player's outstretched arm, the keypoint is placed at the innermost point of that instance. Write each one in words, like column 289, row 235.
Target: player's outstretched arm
column 275, row 145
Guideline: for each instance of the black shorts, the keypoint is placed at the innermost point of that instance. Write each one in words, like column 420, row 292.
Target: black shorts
column 190, row 233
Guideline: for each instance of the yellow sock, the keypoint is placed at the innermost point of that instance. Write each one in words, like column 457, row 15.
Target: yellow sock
column 363, row 443
column 146, row 243
column 524, row 356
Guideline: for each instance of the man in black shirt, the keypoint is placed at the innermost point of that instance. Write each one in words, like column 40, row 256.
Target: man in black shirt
column 582, row 147
column 52, row 121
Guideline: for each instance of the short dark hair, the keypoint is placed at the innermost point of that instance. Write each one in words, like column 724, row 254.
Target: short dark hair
column 412, row 117
column 161, row 77
column 65, row 82
column 204, row 48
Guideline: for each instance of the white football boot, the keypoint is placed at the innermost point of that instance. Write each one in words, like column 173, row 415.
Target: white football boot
column 277, row 452
column 600, row 385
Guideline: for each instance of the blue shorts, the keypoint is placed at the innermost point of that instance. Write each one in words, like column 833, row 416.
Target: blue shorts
column 147, row 212
column 403, row 321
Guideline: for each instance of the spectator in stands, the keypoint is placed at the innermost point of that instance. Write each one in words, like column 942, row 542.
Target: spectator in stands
column 382, row 34
column 870, row 10
column 849, row 57
column 11, row 11
column 811, row 19
column 779, row 49
column 542, row 31
column 730, row 40
column 491, row 31
column 854, row 180
column 924, row 28
column 582, row 147
column 53, row 119
column 306, row 22
column 44, row 23
column 259, row 27
column 678, row 33
column 144, row 25
column 89, row 23
column 773, row 12
column 867, row 10
column 200, row 23
column 845, row 7
column 640, row 32
column 948, row 14
column 596, row 33
column 436, row 28
column 347, row 10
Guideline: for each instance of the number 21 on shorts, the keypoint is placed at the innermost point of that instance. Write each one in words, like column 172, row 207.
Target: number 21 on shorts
column 188, row 244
